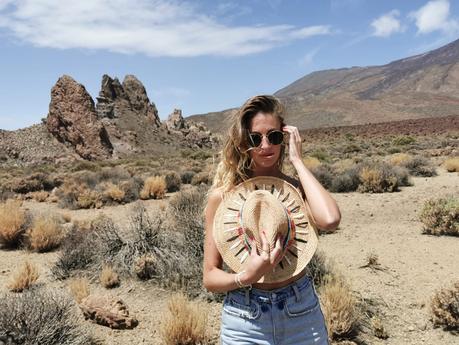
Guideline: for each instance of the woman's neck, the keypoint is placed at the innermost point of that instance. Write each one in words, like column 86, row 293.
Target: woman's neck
column 271, row 171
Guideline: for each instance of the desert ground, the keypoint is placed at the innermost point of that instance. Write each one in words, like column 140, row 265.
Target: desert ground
column 412, row 265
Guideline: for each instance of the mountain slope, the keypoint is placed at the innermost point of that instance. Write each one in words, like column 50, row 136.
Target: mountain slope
column 421, row 86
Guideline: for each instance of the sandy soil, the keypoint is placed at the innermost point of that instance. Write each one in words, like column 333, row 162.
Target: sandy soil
column 384, row 224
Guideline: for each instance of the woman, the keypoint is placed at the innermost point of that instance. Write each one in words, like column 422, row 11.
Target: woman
column 255, row 147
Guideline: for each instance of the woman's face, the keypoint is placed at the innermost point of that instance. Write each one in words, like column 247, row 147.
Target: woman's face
column 266, row 155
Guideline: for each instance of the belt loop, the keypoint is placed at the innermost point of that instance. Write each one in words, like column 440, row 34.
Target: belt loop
column 247, row 296
column 297, row 292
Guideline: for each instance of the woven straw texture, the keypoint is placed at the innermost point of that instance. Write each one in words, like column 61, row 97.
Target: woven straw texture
column 275, row 206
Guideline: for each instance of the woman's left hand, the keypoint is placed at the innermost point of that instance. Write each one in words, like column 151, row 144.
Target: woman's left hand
column 294, row 150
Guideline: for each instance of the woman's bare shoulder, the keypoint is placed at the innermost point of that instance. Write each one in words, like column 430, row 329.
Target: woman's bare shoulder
column 295, row 183
column 215, row 197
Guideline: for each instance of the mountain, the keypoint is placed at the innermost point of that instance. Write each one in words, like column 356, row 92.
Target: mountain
column 421, row 86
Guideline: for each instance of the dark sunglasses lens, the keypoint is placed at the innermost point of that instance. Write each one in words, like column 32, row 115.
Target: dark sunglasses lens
column 255, row 139
column 276, row 137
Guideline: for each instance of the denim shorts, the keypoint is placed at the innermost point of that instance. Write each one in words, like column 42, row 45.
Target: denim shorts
column 290, row 315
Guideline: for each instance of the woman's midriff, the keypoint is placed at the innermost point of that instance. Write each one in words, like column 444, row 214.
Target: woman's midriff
column 277, row 285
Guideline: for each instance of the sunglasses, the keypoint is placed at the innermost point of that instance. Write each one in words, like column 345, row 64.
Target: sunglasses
column 275, row 137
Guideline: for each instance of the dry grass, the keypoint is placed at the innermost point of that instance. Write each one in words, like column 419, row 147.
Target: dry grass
column 113, row 192
column 153, row 187
column 373, row 263
column 184, row 322
column 444, row 308
column 311, row 162
column 24, row 278
column 67, row 217
column 378, row 328
column 374, row 180
column 452, row 164
column 399, row 159
column 109, row 278
column 44, row 235
column 79, row 287
column 39, row 196
column 42, row 316
column 13, row 223
column 441, row 216
column 341, row 312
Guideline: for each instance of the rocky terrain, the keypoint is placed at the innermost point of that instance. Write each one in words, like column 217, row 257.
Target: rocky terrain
column 421, row 86
column 123, row 122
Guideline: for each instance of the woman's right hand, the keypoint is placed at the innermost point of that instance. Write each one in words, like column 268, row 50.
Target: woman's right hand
column 261, row 263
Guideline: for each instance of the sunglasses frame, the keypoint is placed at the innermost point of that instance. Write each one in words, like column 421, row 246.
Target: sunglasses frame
column 252, row 144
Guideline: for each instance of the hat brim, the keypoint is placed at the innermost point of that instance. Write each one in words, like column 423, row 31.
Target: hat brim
column 235, row 254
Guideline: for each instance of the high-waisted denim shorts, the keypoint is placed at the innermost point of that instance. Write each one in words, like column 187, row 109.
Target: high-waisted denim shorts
column 290, row 315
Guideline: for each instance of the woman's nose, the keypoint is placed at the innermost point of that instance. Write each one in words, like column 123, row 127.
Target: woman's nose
column 265, row 142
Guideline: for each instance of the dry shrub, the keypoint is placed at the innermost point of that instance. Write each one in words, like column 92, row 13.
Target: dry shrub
column 44, row 235
column 13, row 223
column 24, row 278
column 347, row 181
column 42, row 317
column 340, row 308
column 39, row 196
column 444, row 308
column 145, row 267
column 184, row 322
column 441, row 216
column 377, row 179
column 109, row 278
column 399, row 159
column 113, row 193
column 378, row 328
column 67, row 217
column 452, row 164
column 187, row 176
column 173, row 181
column 79, row 251
column 311, row 162
column 89, row 199
column 79, row 287
column 32, row 183
column 324, row 174
column 153, row 187
column 202, row 177
column 420, row 166
column 319, row 268
column 70, row 194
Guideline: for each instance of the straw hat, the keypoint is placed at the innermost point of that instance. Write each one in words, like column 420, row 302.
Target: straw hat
column 275, row 206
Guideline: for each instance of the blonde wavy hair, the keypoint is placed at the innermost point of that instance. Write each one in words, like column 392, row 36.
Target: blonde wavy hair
column 235, row 163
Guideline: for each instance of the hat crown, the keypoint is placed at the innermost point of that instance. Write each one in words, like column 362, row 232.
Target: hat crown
column 262, row 211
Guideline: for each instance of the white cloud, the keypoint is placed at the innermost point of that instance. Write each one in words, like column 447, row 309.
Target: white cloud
column 311, row 31
column 435, row 16
column 151, row 27
column 387, row 24
column 307, row 59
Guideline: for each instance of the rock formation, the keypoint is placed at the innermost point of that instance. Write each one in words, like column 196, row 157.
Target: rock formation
column 117, row 100
column 175, row 121
column 72, row 119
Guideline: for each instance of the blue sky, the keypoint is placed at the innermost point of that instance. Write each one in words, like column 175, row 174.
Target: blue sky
column 201, row 55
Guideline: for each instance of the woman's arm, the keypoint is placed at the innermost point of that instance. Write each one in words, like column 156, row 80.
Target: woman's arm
column 214, row 278
column 217, row 280
column 323, row 207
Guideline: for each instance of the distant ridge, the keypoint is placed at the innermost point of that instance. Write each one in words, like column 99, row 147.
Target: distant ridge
column 420, row 86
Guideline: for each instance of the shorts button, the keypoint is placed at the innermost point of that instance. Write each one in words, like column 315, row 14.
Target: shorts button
column 273, row 295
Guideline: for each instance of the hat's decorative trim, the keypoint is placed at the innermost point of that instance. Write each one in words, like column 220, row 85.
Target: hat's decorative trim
column 241, row 237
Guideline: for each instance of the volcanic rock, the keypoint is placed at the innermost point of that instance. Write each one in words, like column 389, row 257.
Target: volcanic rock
column 175, row 120
column 72, row 119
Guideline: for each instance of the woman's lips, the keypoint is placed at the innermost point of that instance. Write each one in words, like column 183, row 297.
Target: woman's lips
column 267, row 155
